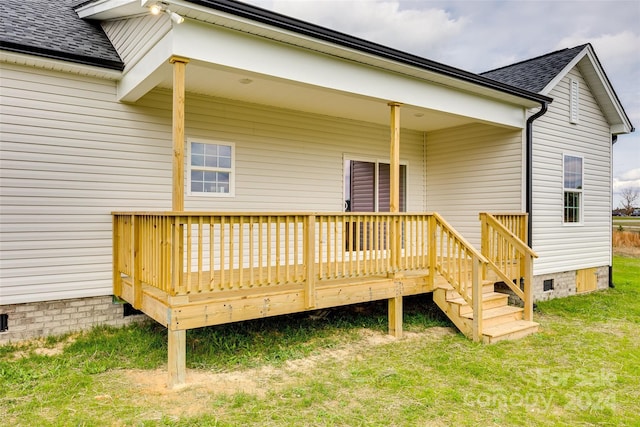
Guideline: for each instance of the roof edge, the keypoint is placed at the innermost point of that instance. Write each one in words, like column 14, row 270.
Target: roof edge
column 298, row 26
column 64, row 56
column 535, row 58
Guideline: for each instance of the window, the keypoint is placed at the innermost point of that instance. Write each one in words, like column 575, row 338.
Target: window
column 211, row 168
column 574, row 104
column 572, row 189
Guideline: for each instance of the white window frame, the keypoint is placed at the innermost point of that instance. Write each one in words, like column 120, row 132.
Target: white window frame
column 579, row 191
column 231, row 170
column 574, row 101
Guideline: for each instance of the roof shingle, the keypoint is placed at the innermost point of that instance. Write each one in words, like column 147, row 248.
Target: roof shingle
column 535, row 74
column 53, row 29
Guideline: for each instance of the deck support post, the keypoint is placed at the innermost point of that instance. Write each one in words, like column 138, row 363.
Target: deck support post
column 394, row 183
column 177, row 366
column 395, row 304
column 395, row 316
column 177, row 347
column 179, row 73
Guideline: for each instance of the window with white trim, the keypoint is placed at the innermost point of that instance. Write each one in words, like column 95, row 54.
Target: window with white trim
column 211, row 168
column 574, row 101
column 573, row 187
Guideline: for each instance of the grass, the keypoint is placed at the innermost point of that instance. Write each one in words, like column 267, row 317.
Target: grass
column 339, row 368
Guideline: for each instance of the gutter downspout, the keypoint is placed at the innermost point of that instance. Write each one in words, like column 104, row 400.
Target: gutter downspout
column 529, row 170
column 614, row 139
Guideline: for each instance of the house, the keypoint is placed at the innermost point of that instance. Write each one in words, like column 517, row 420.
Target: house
column 571, row 168
column 197, row 164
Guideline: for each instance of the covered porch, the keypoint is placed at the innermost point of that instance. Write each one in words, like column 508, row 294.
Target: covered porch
column 292, row 102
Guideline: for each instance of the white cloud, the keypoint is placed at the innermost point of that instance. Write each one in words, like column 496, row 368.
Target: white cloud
column 614, row 49
column 629, row 179
column 412, row 29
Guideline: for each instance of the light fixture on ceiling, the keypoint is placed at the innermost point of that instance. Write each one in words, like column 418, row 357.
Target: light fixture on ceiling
column 245, row 81
column 160, row 7
column 419, row 114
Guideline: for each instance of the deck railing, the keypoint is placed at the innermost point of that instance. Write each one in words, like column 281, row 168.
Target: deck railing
column 504, row 245
column 187, row 253
column 462, row 265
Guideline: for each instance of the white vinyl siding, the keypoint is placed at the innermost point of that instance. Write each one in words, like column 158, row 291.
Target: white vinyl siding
column 563, row 248
column 472, row 169
column 71, row 155
column 133, row 37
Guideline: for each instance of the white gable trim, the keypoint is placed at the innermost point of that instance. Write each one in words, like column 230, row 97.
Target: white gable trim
column 600, row 87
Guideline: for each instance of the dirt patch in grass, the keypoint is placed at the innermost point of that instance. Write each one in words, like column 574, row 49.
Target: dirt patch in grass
column 202, row 387
column 41, row 347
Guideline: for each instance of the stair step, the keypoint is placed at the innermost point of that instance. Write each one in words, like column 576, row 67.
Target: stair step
column 489, row 300
column 488, row 287
column 498, row 316
column 509, row 331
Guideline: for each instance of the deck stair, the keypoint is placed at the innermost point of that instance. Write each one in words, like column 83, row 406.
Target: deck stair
column 500, row 321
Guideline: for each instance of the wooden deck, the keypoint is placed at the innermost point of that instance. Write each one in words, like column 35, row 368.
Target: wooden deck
column 218, row 307
column 188, row 270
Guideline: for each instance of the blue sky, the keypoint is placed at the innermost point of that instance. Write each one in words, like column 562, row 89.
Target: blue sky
column 479, row 35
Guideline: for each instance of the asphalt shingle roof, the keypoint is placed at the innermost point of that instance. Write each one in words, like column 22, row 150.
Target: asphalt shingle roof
column 535, row 74
column 53, row 29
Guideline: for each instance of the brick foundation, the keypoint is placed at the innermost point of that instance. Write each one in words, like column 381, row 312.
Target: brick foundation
column 564, row 285
column 33, row 320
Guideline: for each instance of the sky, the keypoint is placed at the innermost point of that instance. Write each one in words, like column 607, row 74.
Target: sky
column 480, row 35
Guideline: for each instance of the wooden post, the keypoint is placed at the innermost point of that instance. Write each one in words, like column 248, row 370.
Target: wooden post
column 137, row 261
column 477, row 300
column 177, row 341
column 394, row 202
column 310, row 262
column 177, row 347
column 115, row 241
column 395, row 315
column 394, row 184
column 395, row 304
column 528, row 287
column 179, row 72
column 432, row 250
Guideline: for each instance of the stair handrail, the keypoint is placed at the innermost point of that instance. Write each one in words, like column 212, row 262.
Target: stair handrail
column 525, row 255
column 478, row 266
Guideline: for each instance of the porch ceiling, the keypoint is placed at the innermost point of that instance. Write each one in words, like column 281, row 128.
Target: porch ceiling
column 214, row 80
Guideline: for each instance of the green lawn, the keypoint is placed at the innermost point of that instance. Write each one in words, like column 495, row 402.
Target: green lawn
column 340, row 369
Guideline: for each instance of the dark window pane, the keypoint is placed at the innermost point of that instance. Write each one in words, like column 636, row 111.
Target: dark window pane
column 224, row 162
column 197, row 148
column 223, row 177
column 224, row 151
column 197, row 160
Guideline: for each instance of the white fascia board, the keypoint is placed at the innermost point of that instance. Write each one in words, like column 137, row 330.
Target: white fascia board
column 561, row 75
column 109, row 9
column 258, row 55
column 621, row 125
column 147, row 73
column 59, row 65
